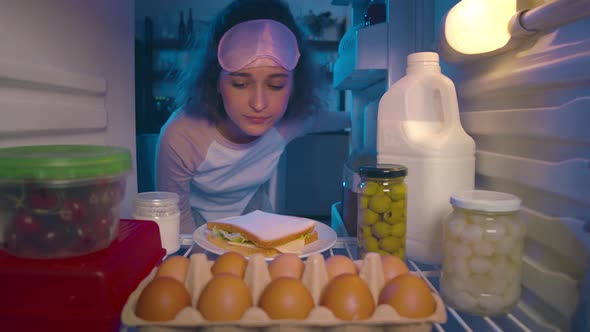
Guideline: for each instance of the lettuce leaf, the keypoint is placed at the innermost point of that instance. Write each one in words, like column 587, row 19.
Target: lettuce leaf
column 305, row 236
column 232, row 237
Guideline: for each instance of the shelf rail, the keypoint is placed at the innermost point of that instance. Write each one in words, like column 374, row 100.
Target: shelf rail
column 457, row 321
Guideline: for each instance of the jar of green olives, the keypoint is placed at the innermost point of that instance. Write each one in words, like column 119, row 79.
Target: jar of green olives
column 381, row 219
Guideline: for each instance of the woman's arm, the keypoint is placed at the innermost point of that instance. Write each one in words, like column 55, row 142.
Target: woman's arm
column 174, row 173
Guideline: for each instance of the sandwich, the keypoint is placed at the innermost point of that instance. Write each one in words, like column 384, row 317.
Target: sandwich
column 262, row 232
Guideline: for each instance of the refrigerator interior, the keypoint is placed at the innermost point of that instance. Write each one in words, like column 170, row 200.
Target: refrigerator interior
column 66, row 77
column 527, row 110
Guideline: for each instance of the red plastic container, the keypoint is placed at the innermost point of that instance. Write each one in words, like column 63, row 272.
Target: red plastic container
column 85, row 293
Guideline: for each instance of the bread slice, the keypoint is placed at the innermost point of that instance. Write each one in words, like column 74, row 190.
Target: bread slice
column 248, row 251
column 265, row 230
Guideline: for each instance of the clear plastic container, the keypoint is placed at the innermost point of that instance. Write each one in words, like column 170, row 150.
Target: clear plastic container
column 162, row 208
column 61, row 201
column 483, row 245
column 382, row 210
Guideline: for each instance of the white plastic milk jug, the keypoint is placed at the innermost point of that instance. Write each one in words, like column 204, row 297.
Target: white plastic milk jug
column 418, row 126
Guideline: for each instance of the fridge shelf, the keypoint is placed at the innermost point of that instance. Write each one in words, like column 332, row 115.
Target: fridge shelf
column 361, row 62
column 457, row 321
column 524, row 317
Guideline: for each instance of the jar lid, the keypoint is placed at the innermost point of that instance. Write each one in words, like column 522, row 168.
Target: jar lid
column 383, row 171
column 484, row 200
column 62, row 162
column 156, row 198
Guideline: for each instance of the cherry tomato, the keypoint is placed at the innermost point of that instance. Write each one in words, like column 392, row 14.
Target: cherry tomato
column 41, row 198
column 72, row 212
column 94, row 199
column 52, row 240
column 27, row 223
column 84, row 239
column 103, row 225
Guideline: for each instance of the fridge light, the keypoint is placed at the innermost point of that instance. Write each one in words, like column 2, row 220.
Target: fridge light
column 479, row 26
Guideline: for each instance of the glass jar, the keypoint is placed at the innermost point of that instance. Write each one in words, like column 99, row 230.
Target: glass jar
column 381, row 217
column 162, row 208
column 350, row 185
column 483, row 243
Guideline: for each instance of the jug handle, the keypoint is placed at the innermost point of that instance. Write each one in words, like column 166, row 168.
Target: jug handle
column 450, row 111
column 450, row 108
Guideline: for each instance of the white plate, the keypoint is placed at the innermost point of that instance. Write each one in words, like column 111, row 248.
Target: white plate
column 326, row 239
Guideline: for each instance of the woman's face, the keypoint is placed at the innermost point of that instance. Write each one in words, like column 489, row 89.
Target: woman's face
column 254, row 100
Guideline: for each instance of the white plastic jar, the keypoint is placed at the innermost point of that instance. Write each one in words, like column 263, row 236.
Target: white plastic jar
column 483, row 244
column 162, row 208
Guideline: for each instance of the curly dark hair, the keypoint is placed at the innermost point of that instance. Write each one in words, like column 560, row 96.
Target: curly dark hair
column 198, row 82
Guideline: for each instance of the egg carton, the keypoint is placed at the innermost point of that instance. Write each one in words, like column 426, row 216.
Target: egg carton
column 257, row 277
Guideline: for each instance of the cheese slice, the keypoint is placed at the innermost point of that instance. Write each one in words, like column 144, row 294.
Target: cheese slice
column 293, row 247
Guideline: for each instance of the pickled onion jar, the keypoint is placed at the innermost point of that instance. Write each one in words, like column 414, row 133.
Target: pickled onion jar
column 483, row 244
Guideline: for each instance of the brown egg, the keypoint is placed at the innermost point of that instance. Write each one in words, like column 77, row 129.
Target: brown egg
column 162, row 299
column 225, row 297
column 230, row 262
column 286, row 265
column 393, row 266
column 339, row 264
column 173, row 267
column 348, row 297
column 409, row 295
column 286, row 298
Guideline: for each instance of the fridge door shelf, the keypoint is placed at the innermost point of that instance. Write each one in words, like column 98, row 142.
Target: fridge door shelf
column 548, row 296
column 362, row 58
column 522, row 318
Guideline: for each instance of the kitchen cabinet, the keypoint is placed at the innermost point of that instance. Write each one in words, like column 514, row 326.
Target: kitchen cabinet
column 155, row 69
column 158, row 61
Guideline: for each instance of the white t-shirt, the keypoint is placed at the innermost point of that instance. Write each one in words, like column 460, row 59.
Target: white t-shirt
column 211, row 174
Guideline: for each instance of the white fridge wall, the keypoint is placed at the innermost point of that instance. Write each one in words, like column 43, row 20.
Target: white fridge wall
column 528, row 111
column 67, row 75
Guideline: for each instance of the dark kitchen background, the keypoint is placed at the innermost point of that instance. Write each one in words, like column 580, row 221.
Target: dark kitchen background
column 162, row 28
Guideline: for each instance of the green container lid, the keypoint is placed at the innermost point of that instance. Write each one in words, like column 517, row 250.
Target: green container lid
column 62, row 162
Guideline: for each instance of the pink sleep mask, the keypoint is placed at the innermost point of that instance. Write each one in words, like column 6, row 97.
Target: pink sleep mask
column 247, row 43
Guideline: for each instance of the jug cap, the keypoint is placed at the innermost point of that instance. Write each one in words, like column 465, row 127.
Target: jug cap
column 484, row 200
column 383, row 171
column 423, row 57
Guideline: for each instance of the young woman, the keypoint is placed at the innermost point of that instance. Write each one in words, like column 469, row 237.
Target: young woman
column 249, row 94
